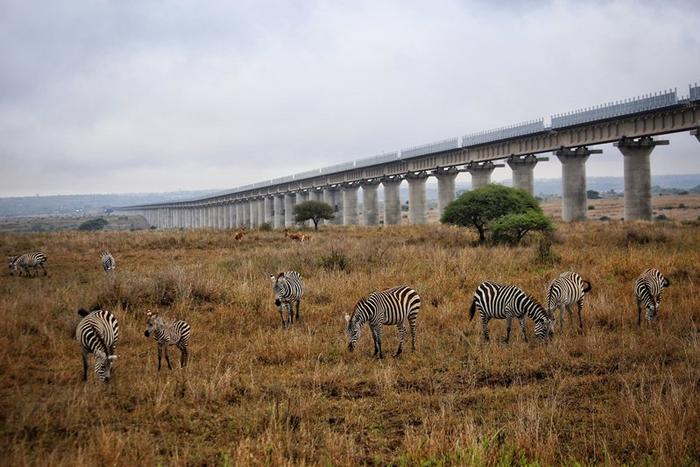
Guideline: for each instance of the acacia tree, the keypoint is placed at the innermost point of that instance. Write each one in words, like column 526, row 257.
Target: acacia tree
column 313, row 211
column 478, row 208
column 511, row 228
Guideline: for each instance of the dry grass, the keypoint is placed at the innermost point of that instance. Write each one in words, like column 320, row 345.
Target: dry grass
column 255, row 393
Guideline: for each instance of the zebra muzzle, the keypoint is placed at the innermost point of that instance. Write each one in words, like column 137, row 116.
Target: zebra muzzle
column 146, row 333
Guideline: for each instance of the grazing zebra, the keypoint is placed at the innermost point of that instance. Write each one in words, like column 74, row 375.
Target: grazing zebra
column 647, row 290
column 108, row 262
column 288, row 288
column 23, row 263
column 565, row 291
column 387, row 307
column 496, row 301
column 168, row 333
column 98, row 333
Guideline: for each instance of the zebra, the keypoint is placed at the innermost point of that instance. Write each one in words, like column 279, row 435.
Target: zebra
column 496, row 301
column 387, row 307
column 647, row 291
column 565, row 291
column 168, row 333
column 98, row 333
column 108, row 263
column 288, row 288
column 23, row 263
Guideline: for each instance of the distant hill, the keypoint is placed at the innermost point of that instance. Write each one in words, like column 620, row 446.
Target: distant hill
column 90, row 205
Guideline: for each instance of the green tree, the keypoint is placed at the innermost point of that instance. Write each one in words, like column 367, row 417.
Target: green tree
column 592, row 194
column 93, row 224
column 478, row 208
column 511, row 228
column 313, row 211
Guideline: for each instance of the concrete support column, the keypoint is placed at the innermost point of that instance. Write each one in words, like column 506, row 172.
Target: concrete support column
column 370, row 203
column 289, row 202
column 228, row 215
column 350, row 204
column 417, row 207
column 268, row 209
column 315, row 195
column 189, row 217
column 211, row 217
column 523, row 172
column 392, row 200
column 481, row 173
column 696, row 133
column 252, row 214
column 638, row 176
column 202, row 221
column 239, row 214
column 278, row 215
column 340, row 207
column 329, row 195
column 222, row 216
column 573, row 179
column 446, row 187
column 260, row 205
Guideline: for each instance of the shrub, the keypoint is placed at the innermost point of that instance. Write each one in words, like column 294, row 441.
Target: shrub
column 266, row 227
column 591, row 208
column 335, row 261
column 478, row 208
column 512, row 228
column 93, row 224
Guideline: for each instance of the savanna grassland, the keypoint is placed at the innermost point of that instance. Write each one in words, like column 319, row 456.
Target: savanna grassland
column 255, row 393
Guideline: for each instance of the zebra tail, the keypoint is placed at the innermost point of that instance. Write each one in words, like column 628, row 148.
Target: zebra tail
column 472, row 309
column 668, row 282
column 83, row 312
column 587, row 287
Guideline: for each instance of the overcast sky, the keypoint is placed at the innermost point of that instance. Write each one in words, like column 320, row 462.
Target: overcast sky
column 133, row 96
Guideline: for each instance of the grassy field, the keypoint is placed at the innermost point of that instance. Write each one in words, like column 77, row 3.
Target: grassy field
column 255, row 393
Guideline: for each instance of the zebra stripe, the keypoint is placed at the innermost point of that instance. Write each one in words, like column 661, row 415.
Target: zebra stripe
column 167, row 333
column 288, row 288
column 23, row 263
column 387, row 307
column 565, row 291
column 98, row 333
column 647, row 291
column 108, row 263
column 496, row 301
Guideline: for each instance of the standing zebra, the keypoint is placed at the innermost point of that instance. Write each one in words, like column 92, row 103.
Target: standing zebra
column 288, row 288
column 23, row 263
column 387, row 307
column 108, row 263
column 565, row 291
column 98, row 333
column 647, row 290
column 168, row 333
column 496, row 301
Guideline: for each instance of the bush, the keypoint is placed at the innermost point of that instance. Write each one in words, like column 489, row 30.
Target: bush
column 266, row 227
column 335, row 261
column 478, row 208
column 661, row 217
column 512, row 228
column 591, row 208
column 93, row 224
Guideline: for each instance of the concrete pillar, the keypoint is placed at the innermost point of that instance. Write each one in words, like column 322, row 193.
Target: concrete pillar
column 340, row 207
column 329, row 195
column 481, row 173
column 239, row 214
column 696, row 133
column 315, row 195
column 350, row 204
column 370, row 203
column 222, row 216
column 252, row 214
column 417, row 208
column 260, row 205
column 289, row 202
column 523, row 172
column 228, row 215
column 278, row 215
column 268, row 209
column 446, row 187
column 573, row 179
column 211, row 216
column 638, row 176
column 392, row 200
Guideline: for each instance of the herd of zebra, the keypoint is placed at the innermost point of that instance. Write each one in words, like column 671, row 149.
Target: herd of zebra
column 98, row 330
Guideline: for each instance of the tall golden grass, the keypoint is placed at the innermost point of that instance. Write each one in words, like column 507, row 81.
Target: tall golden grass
column 255, row 393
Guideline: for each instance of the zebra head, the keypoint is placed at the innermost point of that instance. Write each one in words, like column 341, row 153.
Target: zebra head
column 278, row 283
column 103, row 365
column 353, row 331
column 651, row 301
column 12, row 263
column 154, row 322
column 544, row 321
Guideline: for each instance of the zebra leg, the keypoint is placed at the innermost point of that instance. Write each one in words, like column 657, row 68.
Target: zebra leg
column 639, row 314
column 485, row 327
column 167, row 358
column 402, row 332
column 561, row 317
column 412, row 324
column 509, row 321
column 579, row 306
column 523, row 328
column 183, row 356
column 281, row 310
column 298, row 302
column 160, row 355
column 43, row 269
column 378, row 333
column 85, row 365
column 290, row 309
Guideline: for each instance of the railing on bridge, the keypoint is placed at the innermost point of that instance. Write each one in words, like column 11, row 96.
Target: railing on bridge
column 380, row 159
column 505, row 132
column 430, row 148
column 616, row 109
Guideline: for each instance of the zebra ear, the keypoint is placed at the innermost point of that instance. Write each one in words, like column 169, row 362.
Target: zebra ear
column 112, row 357
column 347, row 317
column 272, row 278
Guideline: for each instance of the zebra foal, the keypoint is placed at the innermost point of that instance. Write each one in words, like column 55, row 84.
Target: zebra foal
column 22, row 263
column 288, row 288
column 108, row 263
column 167, row 333
column 647, row 291
column 496, row 301
column 565, row 291
column 387, row 307
column 98, row 333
